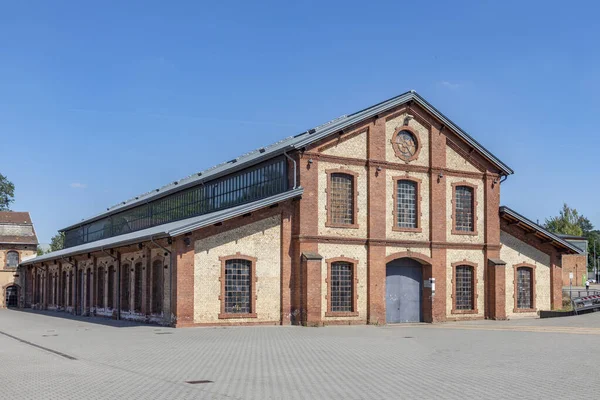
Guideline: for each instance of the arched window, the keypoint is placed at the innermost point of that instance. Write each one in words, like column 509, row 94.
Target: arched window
column 238, row 287
column 406, row 204
column 100, row 277
column 464, row 209
column 524, row 288
column 464, row 287
column 341, row 292
column 125, row 275
column 12, row 259
column 64, row 291
column 341, row 198
column 138, row 288
column 111, row 286
column 70, row 295
column 157, row 287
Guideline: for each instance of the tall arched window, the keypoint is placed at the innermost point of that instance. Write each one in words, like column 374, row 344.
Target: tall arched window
column 125, row 275
column 12, row 259
column 138, row 288
column 111, row 286
column 157, row 287
column 464, row 209
column 64, row 291
column 406, row 204
column 100, row 277
column 524, row 288
column 341, row 194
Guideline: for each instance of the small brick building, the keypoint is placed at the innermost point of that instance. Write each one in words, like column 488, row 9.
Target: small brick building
column 389, row 214
column 18, row 242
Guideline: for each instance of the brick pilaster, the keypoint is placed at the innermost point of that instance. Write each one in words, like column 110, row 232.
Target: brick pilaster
column 312, row 264
column 183, row 282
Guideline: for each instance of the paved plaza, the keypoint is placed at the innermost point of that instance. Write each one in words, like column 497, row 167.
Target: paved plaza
column 45, row 356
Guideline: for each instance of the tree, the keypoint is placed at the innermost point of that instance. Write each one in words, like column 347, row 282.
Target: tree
column 569, row 222
column 57, row 242
column 40, row 251
column 7, row 193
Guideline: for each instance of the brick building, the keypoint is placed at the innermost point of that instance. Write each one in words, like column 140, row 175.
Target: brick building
column 18, row 242
column 389, row 214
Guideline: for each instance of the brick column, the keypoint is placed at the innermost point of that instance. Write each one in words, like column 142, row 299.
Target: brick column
column 555, row 280
column 286, row 266
column 492, row 244
column 183, row 281
column 496, row 285
column 308, row 222
column 437, row 223
column 312, row 265
column 376, row 222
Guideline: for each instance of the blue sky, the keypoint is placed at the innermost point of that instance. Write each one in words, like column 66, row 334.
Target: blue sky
column 99, row 103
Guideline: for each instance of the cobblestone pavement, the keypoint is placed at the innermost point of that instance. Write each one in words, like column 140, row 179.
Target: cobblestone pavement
column 89, row 358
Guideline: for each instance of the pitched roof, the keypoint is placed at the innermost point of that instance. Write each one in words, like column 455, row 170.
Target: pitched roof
column 297, row 142
column 14, row 217
column 539, row 231
column 16, row 228
column 170, row 229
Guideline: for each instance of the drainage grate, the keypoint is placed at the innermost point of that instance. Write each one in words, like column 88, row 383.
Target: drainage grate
column 197, row 382
column 163, row 333
column 408, row 337
column 49, row 335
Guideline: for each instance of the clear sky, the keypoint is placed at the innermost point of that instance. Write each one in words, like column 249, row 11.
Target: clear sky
column 99, row 103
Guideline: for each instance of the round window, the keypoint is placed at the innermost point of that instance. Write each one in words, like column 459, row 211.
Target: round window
column 406, row 145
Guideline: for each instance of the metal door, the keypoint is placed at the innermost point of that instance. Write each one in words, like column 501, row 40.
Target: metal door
column 403, row 291
column 11, row 296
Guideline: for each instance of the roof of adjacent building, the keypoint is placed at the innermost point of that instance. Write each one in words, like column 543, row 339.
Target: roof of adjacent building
column 297, row 142
column 571, row 237
column 170, row 229
column 540, row 232
column 16, row 228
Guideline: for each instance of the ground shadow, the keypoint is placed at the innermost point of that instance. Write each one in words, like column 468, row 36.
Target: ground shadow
column 91, row 320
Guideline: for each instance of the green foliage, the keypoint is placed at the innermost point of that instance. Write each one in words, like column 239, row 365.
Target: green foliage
column 40, row 251
column 7, row 193
column 57, row 242
column 569, row 222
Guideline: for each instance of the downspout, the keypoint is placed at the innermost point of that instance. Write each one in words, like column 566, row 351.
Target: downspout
column 294, row 162
column 170, row 276
column 118, row 281
column 504, row 178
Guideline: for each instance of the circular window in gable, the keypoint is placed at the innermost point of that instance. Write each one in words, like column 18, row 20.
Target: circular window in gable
column 406, row 144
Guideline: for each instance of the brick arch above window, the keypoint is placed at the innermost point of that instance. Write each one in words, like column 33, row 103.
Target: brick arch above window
column 418, row 201
column 474, row 282
column 252, row 293
column 474, row 204
column 353, row 312
column 532, row 292
column 415, row 134
column 332, row 222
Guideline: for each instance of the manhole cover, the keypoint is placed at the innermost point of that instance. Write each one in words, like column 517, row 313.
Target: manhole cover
column 197, row 382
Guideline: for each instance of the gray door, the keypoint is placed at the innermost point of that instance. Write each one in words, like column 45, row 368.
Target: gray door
column 403, row 291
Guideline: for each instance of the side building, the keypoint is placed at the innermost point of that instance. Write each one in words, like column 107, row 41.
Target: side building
column 390, row 214
column 18, row 242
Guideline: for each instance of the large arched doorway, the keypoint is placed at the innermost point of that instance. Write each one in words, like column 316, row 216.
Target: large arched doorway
column 11, row 296
column 404, row 291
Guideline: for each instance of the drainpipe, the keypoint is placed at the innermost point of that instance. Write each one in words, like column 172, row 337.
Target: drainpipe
column 118, row 281
column 294, row 162
column 504, row 178
column 170, row 275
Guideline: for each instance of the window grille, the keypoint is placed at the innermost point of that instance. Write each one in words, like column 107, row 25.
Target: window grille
column 342, row 199
column 137, row 294
column 157, row 286
column 464, row 287
column 342, row 287
column 464, row 209
column 12, row 259
column 255, row 183
column 237, row 286
column 100, row 277
column 406, row 203
column 125, row 277
column 524, row 288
